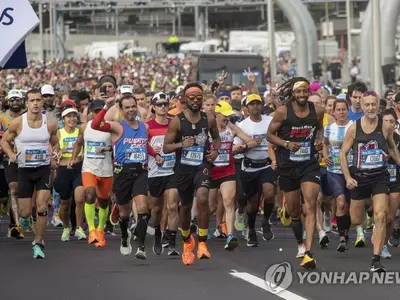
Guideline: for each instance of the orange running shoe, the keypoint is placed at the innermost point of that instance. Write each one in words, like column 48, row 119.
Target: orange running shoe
column 202, row 251
column 92, row 237
column 224, row 229
column 188, row 255
column 101, row 239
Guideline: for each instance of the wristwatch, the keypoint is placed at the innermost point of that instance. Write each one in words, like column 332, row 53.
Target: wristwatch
column 286, row 144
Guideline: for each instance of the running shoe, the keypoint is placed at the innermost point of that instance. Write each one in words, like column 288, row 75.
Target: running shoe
column 16, row 232
column 65, row 235
column 80, row 234
column 188, row 255
column 38, row 251
column 252, row 240
column 308, row 262
column 224, row 229
column 323, row 240
column 126, row 247
column 165, row 239
column 202, row 251
column 56, row 221
column 232, row 242
column 141, row 253
column 394, row 238
column 93, row 237
column 343, row 247
column 218, row 233
column 301, row 250
column 385, row 252
column 360, row 241
column 266, row 229
column 158, row 248
column 239, row 221
column 377, row 267
column 101, row 239
column 172, row 250
column 114, row 216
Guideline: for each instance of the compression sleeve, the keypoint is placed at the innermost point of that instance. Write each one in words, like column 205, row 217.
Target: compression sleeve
column 99, row 123
column 151, row 150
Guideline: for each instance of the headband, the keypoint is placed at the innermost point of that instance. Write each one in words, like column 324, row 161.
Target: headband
column 224, row 94
column 193, row 89
column 108, row 78
column 298, row 84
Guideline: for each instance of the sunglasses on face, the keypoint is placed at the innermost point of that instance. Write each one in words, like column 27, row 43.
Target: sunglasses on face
column 162, row 104
column 192, row 97
column 370, row 93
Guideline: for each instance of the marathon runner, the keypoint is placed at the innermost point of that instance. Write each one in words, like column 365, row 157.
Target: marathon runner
column 17, row 106
column 97, row 173
column 130, row 144
column 371, row 140
column 32, row 133
column 187, row 136
column 294, row 129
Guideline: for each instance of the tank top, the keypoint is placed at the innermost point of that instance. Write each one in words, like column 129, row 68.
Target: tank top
column 131, row 147
column 33, row 144
column 370, row 153
column 256, row 130
column 67, row 141
column 224, row 164
column 6, row 121
column 189, row 158
column 99, row 164
column 157, row 134
column 299, row 130
column 392, row 167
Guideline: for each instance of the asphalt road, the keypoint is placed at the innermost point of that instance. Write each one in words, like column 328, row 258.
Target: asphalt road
column 76, row 270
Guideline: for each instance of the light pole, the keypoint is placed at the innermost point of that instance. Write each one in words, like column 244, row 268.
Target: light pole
column 376, row 46
column 349, row 38
column 271, row 39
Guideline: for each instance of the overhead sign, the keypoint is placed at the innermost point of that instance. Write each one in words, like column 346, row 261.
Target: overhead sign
column 17, row 21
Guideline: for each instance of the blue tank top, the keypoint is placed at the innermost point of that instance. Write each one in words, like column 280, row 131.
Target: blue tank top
column 131, row 147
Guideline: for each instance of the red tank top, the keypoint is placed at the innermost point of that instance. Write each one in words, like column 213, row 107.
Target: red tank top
column 224, row 164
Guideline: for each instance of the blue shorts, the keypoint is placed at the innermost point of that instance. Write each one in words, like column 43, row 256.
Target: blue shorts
column 337, row 184
column 325, row 186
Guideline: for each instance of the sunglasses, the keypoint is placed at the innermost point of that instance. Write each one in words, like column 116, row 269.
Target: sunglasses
column 370, row 93
column 192, row 97
column 162, row 104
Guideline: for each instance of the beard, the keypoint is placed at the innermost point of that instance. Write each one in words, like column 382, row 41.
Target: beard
column 16, row 108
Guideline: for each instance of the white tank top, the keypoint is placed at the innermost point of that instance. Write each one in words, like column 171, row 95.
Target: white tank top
column 33, row 144
column 98, row 164
column 224, row 158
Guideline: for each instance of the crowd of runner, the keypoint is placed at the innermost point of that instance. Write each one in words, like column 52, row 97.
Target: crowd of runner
column 118, row 155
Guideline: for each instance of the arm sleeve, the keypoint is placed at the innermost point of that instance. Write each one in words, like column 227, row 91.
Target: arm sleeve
column 99, row 123
column 151, row 150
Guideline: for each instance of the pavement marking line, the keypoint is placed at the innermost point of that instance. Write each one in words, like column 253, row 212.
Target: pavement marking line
column 258, row 282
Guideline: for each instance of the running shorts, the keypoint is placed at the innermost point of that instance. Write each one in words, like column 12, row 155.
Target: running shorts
column 67, row 180
column 291, row 178
column 31, row 179
column 338, row 185
column 252, row 181
column 103, row 185
column 3, row 184
column 324, row 187
column 11, row 172
column 129, row 185
column 369, row 186
column 158, row 185
column 216, row 183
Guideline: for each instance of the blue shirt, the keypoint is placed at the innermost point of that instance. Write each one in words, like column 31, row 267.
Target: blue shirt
column 355, row 116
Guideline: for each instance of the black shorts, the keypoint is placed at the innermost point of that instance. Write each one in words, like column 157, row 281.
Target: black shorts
column 67, row 180
column 370, row 186
column 11, row 171
column 238, row 170
column 3, row 184
column 187, row 184
column 291, row 178
column 216, row 183
column 252, row 181
column 30, row 179
column 158, row 185
column 129, row 185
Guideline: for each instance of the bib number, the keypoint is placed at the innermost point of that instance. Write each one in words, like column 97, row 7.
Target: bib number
column 91, row 148
column 371, row 159
column 222, row 159
column 36, row 157
column 303, row 154
column 69, row 144
column 137, row 155
column 392, row 169
column 192, row 156
column 168, row 165
column 263, row 146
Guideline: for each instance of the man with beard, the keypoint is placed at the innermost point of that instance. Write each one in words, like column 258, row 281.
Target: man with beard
column 187, row 136
column 49, row 104
column 17, row 106
column 294, row 130
column 131, row 150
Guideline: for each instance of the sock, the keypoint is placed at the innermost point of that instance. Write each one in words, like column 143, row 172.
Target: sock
column 341, row 224
column 185, row 235
column 103, row 214
column 251, row 220
column 268, row 208
column 172, row 238
column 297, row 228
column 90, row 212
column 202, row 236
column 360, row 231
column 141, row 228
column 123, row 224
column 157, row 230
column 376, row 258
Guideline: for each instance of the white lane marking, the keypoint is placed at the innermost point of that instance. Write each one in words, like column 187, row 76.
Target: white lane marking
column 254, row 280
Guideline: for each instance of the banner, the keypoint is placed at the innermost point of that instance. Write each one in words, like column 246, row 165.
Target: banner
column 17, row 20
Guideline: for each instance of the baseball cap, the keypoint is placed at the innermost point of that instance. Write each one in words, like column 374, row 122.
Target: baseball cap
column 159, row 96
column 126, row 89
column 224, row 108
column 253, row 97
column 96, row 104
column 314, row 87
column 47, row 90
column 69, row 110
column 15, row 94
column 342, row 96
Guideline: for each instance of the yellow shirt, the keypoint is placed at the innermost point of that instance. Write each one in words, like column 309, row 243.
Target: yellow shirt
column 67, row 141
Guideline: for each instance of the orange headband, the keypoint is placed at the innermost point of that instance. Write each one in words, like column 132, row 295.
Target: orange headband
column 193, row 89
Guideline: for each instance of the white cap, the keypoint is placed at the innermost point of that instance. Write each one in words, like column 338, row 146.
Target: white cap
column 179, row 89
column 47, row 90
column 266, row 93
column 15, row 94
column 69, row 110
column 126, row 89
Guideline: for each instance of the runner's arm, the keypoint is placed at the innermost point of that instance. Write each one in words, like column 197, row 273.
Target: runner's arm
column 150, row 149
column 98, row 123
column 169, row 141
column 216, row 140
column 393, row 151
column 249, row 142
column 275, row 125
column 320, row 125
column 79, row 143
column 346, row 146
column 53, row 130
column 9, row 136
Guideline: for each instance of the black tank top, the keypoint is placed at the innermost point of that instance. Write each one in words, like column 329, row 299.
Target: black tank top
column 392, row 167
column 299, row 130
column 188, row 159
column 370, row 153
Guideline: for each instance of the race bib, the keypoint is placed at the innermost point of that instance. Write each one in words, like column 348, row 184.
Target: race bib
column 392, row 169
column 68, row 143
column 91, row 148
column 137, row 155
column 169, row 163
column 222, row 159
column 303, row 154
column 335, row 157
column 36, row 157
column 371, row 159
column 263, row 146
column 192, row 156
